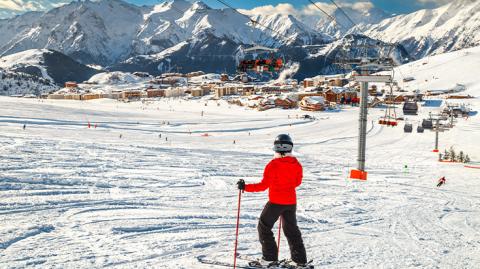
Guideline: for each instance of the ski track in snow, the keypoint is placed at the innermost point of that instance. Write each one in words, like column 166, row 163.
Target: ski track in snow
column 81, row 198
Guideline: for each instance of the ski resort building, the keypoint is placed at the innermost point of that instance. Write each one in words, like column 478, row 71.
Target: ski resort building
column 336, row 94
column 71, row 84
column 313, row 103
column 131, row 95
column 225, row 91
column 152, row 93
column 174, row 92
column 198, row 91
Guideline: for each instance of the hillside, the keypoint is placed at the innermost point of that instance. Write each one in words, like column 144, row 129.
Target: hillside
column 453, row 26
column 47, row 64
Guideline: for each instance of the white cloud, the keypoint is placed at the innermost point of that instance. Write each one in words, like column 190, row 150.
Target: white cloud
column 16, row 5
column 269, row 9
column 308, row 10
column 30, row 5
column 439, row 2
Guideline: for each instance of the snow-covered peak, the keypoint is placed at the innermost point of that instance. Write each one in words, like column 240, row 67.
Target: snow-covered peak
column 431, row 31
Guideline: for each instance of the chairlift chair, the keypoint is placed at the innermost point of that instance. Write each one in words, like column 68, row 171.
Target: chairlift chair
column 261, row 59
column 390, row 117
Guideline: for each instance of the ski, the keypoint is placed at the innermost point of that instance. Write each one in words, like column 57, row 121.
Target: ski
column 252, row 264
column 284, row 263
column 204, row 260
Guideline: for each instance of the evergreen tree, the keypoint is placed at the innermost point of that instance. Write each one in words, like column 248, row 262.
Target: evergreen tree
column 453, row 155
column 461, row 157
column 446, row 155
column 467, row 159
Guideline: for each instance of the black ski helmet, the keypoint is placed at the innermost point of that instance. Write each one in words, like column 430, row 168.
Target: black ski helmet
column 283, row 144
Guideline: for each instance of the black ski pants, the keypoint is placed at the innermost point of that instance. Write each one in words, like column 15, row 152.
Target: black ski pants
column 270, row 214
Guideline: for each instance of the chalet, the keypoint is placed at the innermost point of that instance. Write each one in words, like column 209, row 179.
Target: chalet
column 174, row 92
column 394, row 99
column 131, row 94
column 301, row 95
column 308, row 82
column 338, row 82
column 71, row 84
column 141, row 74
column 224, row 77
column 91, row 96
column 313, row 103
column 335, row 94
column 112, row 95
column 225, row 90
column 56, row 96
column 285, row 103
column 247, row 90
column 266, row 104
column 152, row 93
column 197, row 92
column 195, row 74
column 77, row 97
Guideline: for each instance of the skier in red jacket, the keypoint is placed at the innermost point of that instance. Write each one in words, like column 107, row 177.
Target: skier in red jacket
column 281, row 176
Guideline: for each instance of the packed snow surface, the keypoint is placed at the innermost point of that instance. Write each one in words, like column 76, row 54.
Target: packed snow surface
column 148, row 188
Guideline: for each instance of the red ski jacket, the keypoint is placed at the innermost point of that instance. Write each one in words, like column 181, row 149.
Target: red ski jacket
column 281, row 177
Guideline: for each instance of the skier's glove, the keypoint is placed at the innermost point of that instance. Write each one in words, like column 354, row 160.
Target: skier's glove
column 241, row 184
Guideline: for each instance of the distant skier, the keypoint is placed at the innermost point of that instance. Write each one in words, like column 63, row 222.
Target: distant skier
column 24, row 126
column 281, row 176
column 441, row 181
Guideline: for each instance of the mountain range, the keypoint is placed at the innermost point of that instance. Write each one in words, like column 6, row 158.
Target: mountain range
column 184, row 36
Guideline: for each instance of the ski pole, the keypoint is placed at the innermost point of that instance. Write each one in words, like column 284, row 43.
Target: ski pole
column 279, row 233
column 236, row 234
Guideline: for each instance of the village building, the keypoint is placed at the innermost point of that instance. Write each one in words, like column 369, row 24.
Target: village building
column 71, row 84
column 90, row 96
column 152, row 93
column 285, row 102
column 198, row 91
column 337, row 94
column 225, row 90
column 308, row 82
column 174, row 92
column 132, row 94
column 313, row 103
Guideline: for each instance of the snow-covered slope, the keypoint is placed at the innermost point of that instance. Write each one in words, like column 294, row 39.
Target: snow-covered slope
column 450, row 27
column 147, row 189
column 19, row 83
column 444, row 71
column 47, row 64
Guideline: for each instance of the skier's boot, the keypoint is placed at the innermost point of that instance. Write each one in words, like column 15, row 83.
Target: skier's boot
column 262, row 263
column 293, row 265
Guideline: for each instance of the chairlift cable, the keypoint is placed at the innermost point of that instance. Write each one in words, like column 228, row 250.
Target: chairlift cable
column 286, row 38
column 344, row 13
column 328, row 15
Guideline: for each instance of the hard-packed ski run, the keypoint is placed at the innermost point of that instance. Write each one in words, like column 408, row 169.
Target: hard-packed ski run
column 232, row 134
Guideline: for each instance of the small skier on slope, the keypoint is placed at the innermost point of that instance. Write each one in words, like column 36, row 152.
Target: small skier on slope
column 281, row 176
column 441, row 181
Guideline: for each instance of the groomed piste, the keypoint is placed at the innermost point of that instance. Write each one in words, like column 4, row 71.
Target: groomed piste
column 144, row 186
